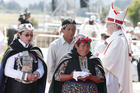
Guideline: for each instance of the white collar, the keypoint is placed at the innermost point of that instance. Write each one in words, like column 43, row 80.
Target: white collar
column 24, row 45
column 64, row 41
column 114, row 35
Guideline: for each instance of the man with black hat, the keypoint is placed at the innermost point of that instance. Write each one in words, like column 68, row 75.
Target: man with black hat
column 61, row 46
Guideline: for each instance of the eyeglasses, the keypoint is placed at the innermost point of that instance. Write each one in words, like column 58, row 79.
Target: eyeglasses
column 27, row 35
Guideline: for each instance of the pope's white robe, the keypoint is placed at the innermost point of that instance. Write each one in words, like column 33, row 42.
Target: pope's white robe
column 116, row 61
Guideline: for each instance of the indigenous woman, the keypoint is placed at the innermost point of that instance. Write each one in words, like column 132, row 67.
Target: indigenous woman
column 79, row 71
column 23, row 69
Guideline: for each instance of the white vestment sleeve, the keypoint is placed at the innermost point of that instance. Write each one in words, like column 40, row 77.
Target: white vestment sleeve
column 116, row 61
column 111, row 59
column 9, row 70
column 40, row 68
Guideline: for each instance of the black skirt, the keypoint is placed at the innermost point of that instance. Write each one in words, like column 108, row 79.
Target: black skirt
column 13, row 86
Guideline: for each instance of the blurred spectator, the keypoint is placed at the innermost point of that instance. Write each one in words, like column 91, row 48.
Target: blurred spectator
column 135, row 58
column 2, row 43
column 101, row 45
column 89, row 27
column 137, row 30
column 130, row 31
column 129, row 28
column 138, row 67
column 10, row 34
column 24, row 17
column 102, row 27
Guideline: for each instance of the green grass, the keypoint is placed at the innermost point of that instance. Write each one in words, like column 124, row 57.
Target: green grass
column 7, row 19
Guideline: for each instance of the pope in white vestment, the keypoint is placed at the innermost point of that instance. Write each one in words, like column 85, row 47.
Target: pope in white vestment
column 117, row 57
column 116, row 62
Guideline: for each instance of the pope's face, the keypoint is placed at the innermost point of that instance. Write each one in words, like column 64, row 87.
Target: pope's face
column 110, row 28
column 83, row 49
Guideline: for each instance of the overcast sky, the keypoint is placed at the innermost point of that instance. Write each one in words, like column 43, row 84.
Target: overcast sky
column 25, row 3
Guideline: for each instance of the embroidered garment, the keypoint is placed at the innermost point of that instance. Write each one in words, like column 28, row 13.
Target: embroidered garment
column 74, row 62
column 77, row 87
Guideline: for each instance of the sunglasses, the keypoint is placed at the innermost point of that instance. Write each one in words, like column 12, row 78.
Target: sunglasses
column 27, row 35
